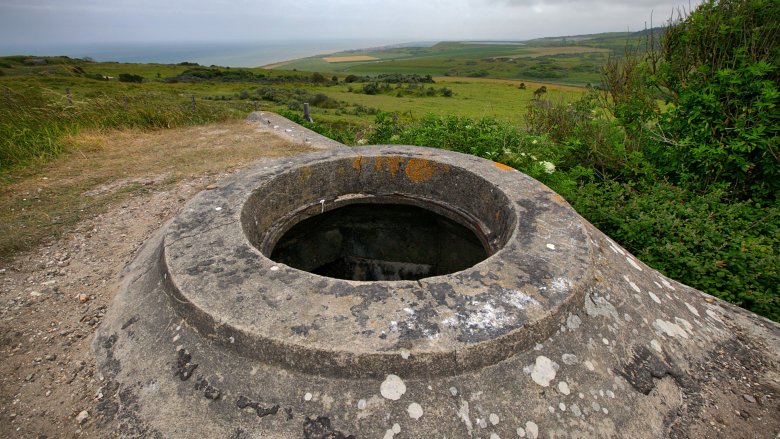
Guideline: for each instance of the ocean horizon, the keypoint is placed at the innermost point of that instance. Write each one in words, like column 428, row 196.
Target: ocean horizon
column 228, row 54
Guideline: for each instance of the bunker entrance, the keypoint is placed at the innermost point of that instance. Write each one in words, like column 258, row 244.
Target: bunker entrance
column 380, row 242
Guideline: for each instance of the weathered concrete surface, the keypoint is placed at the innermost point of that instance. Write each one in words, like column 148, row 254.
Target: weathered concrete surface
column 560, row 333
column 284, row 128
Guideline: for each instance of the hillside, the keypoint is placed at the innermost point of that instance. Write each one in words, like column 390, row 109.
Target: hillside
column 574, row 60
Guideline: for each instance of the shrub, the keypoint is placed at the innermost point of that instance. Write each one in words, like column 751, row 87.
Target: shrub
column 720, row 68
column 129, row 77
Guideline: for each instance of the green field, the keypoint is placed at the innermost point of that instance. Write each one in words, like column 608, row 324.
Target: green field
column 95, row 87
column 564, row 60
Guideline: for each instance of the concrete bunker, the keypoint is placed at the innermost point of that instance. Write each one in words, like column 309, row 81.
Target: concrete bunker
column 545, row 324
column 344, row 245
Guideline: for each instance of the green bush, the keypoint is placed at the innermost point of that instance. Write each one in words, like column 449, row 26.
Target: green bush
column 721, row 68
column 128, row 77
column 727, row 249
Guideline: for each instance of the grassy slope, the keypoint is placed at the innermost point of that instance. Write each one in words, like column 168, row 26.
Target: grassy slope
column 56, row 123
column 575, row 60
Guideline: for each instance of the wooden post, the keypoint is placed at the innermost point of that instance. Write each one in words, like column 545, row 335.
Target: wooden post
column 67, row 94
column 255, row 104
column 306, row 114
column 193, row 103
column 7, row 92
column 125, row 102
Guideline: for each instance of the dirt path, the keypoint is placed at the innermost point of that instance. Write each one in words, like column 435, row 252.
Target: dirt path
column 53, row 297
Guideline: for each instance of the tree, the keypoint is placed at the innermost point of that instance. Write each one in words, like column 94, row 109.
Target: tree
column 540, row 91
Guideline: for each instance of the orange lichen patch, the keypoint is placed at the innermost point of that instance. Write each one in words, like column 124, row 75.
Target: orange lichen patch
column 359, row 163
column 418, row 170
column 503, row 166
column 558, row 199
column 392, row 164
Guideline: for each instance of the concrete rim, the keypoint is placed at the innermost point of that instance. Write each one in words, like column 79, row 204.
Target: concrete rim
column 227, row 289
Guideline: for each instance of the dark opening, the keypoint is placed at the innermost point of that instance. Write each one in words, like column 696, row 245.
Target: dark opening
column 371, row 242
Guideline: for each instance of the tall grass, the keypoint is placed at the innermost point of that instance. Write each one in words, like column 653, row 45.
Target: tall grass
column 34, row 119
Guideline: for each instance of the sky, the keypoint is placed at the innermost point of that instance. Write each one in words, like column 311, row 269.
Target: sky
column 56, row 22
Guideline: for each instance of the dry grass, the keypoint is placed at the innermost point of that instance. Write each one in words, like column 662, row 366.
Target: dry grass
column 335, row 59
column 105, row 167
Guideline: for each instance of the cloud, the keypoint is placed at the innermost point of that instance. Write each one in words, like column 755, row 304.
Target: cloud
column 53, row 21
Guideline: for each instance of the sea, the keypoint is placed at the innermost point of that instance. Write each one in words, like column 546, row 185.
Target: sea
column 226, row 54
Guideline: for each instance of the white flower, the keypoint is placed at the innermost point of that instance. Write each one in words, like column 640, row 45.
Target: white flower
column 548, row 167
column 362, row 141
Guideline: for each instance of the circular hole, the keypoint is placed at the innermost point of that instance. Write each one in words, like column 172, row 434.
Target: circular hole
column 381, row 242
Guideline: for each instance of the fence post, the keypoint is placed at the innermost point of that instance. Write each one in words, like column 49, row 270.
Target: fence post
column 125, row 102
column 255, row 104
column 306, row 114
column 193, row 103
column 7, row 92
column 67, row 94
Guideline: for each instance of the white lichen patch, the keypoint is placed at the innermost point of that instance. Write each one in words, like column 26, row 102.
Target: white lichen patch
column 396, row 428
column 633, row 263
column 463, row 415
column 518, row 299
column 308, row 396
column 551, row 246
column 544, row 371
column 684, row 323
column 669, row 328
column 532, row 430
column 655, row 345
column 589, row 366
column 405, row 353
column 654, row 297
column 451, row 321
column 693, row 310
column 274, row 268
column 569, row 359
column 415, row 411
column 494, row 436
column 392, row 388
column 487, row 317
column 361, row 405
column 573, row 322
column 562, row 407
column 563, row 387
column 453, row 391
column 561, row 284
column 667, row 284
column 494, row 419
column 615, row 248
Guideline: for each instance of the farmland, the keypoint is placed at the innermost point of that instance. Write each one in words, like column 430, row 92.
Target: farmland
column 565, row 60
